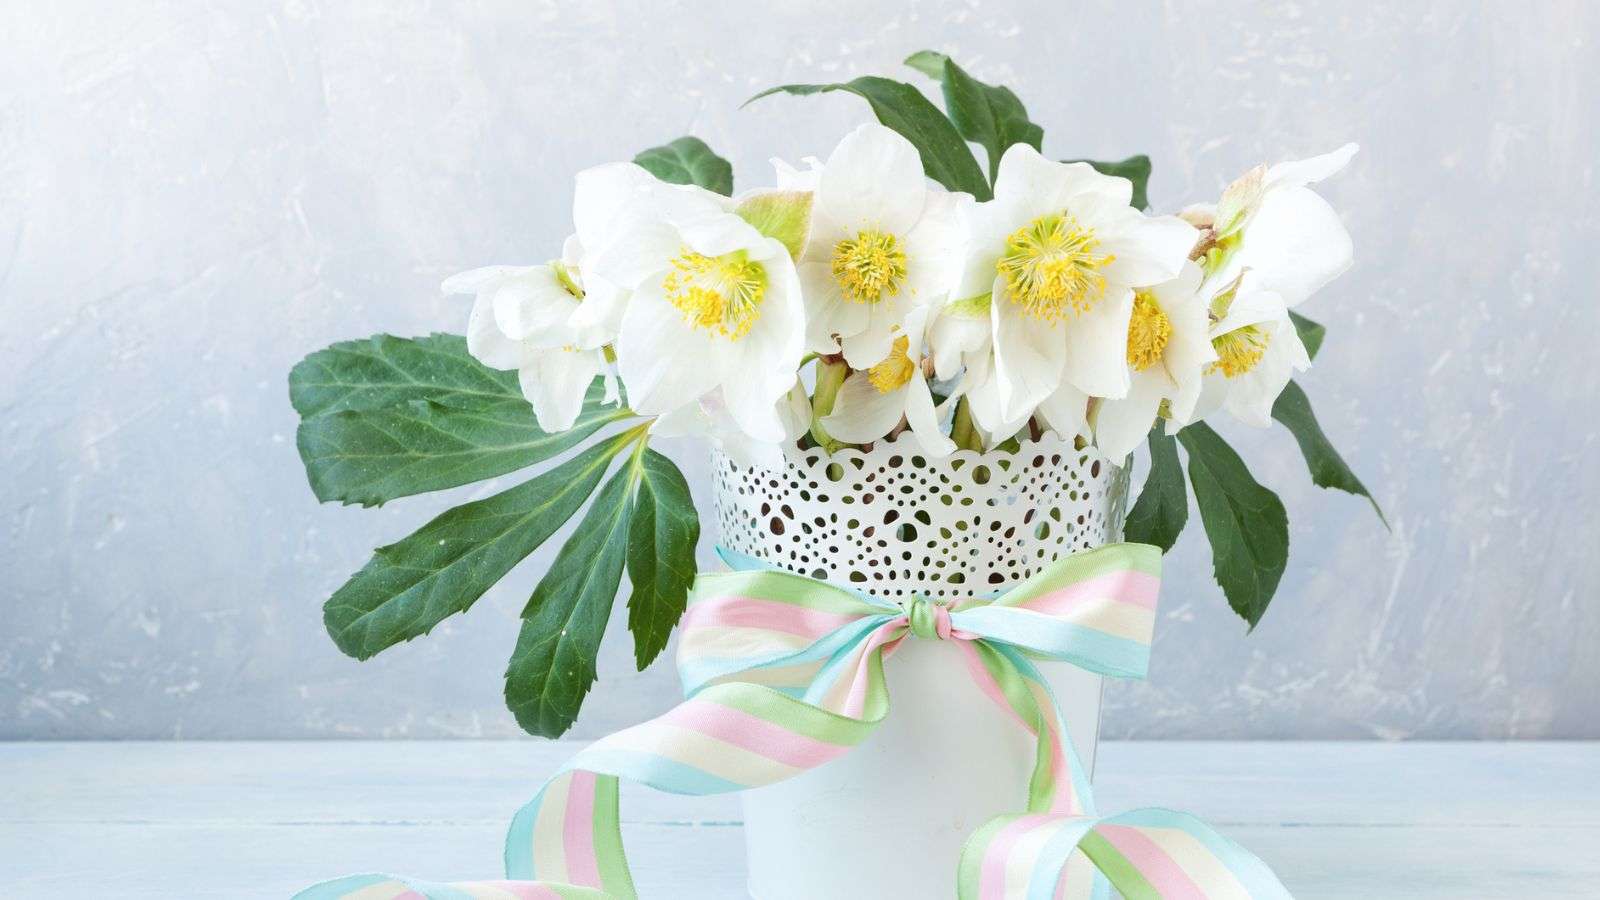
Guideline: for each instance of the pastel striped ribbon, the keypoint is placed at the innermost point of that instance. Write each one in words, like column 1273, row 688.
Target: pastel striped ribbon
column 784, row 673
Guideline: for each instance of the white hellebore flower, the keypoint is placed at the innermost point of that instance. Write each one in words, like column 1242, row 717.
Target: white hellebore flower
column 551, row 322
column 1169, row 347
column 872, row 401
column 1271, row 223
column 1257, row 351
column 714, row 305
column 521, row 320
column 1060, row 251
column 881, row 242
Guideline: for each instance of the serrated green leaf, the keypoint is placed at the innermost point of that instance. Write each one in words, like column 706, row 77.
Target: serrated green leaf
column 1311, row 333
column 688, row 160
column 945, row 156
column 1135, row 168
column 443, row 568
column 1328, row 468
column 372, row 456
column 1161, row 511
column 553, row 664
column 385, row 370
column 1246, row 523
column 989, row 115
column 663, row 531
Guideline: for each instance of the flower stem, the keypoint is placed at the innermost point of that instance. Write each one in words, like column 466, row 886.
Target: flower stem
column 831, row 373
column 962, row 429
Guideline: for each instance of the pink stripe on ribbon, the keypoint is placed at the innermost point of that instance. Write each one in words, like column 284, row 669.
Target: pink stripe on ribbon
column 577, row 831
column 884, row 636
column 753, row 733
column 771, row 615
column 992, row 877
column 1133, row 588
column 1155, row 864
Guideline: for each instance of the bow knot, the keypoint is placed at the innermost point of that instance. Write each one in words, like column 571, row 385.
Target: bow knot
column 929, row 619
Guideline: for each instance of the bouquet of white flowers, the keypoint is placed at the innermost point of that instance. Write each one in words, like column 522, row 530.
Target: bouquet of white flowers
column 896, row 286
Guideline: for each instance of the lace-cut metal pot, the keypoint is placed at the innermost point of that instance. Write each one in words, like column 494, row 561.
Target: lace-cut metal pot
column 889, row 819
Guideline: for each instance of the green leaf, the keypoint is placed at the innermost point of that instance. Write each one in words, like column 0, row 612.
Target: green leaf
column 1135, row 168
column 1246, row 523
column 373, row 456
column 387, row 371
column 688, row 160
column 662, row 533
column 945, row 156
column 443, row 568
column 1311, row 333
column 1328, row 468
column 989, row 115
column 553, row 664
column 1161, row 511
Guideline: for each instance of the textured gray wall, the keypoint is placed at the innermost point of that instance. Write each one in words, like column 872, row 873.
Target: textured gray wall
column 194, row 195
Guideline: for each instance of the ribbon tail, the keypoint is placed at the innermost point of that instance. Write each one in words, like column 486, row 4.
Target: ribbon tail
column 728, row 737
column 1146, row 854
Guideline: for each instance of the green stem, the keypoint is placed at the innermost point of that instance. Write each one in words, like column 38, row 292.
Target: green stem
column 962, row 429
column 831, row 374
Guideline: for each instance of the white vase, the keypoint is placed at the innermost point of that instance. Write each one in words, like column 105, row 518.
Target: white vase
column 889, row 818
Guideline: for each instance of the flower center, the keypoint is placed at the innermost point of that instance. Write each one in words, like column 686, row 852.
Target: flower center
column 1148, row 332
column 1050, row 264
column 869, row 265
column 895, row 370
column 1239, row 350
column 722, row 294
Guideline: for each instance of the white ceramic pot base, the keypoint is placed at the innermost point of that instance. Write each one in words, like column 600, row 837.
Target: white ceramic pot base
column 889, row 819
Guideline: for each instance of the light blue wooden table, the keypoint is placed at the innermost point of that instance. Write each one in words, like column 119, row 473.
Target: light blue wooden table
column 197, row 820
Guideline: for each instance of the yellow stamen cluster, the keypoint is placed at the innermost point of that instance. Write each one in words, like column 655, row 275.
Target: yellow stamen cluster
column 869, row 266
column 895, row 370
column 1050, row 264
column 1239, row 350
column 1149, row 330
column 722, row 294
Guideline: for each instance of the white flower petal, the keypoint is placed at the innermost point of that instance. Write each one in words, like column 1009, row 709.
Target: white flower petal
column 873, row 179
column 872, row 342
column 924, row 419
column 1119, row 425
column 753, row 407
column 596, row 320
column 1065, row 410
column 603, row 192
column 725, row 233
column 1300, row 173
column 861, row 413
column 474, row 280
column 664, row 361
column 1028, row 353
column 487, row 343
column 640, row 248
column 555, row 382
column 1147, row 249
column 1294, row 245
column 1097, row 346
column 535, row 306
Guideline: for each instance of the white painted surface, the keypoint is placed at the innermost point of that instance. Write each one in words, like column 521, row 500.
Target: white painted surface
column 193, row 195
column 945, row 761
column 1463, row 821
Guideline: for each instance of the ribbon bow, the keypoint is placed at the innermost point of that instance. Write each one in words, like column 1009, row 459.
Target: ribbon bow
column 784, row 673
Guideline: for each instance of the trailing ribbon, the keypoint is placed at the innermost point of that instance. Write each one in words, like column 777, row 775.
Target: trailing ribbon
column 784, row 673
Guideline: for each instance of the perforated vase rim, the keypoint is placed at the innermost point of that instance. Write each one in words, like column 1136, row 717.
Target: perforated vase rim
column 893, row 521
